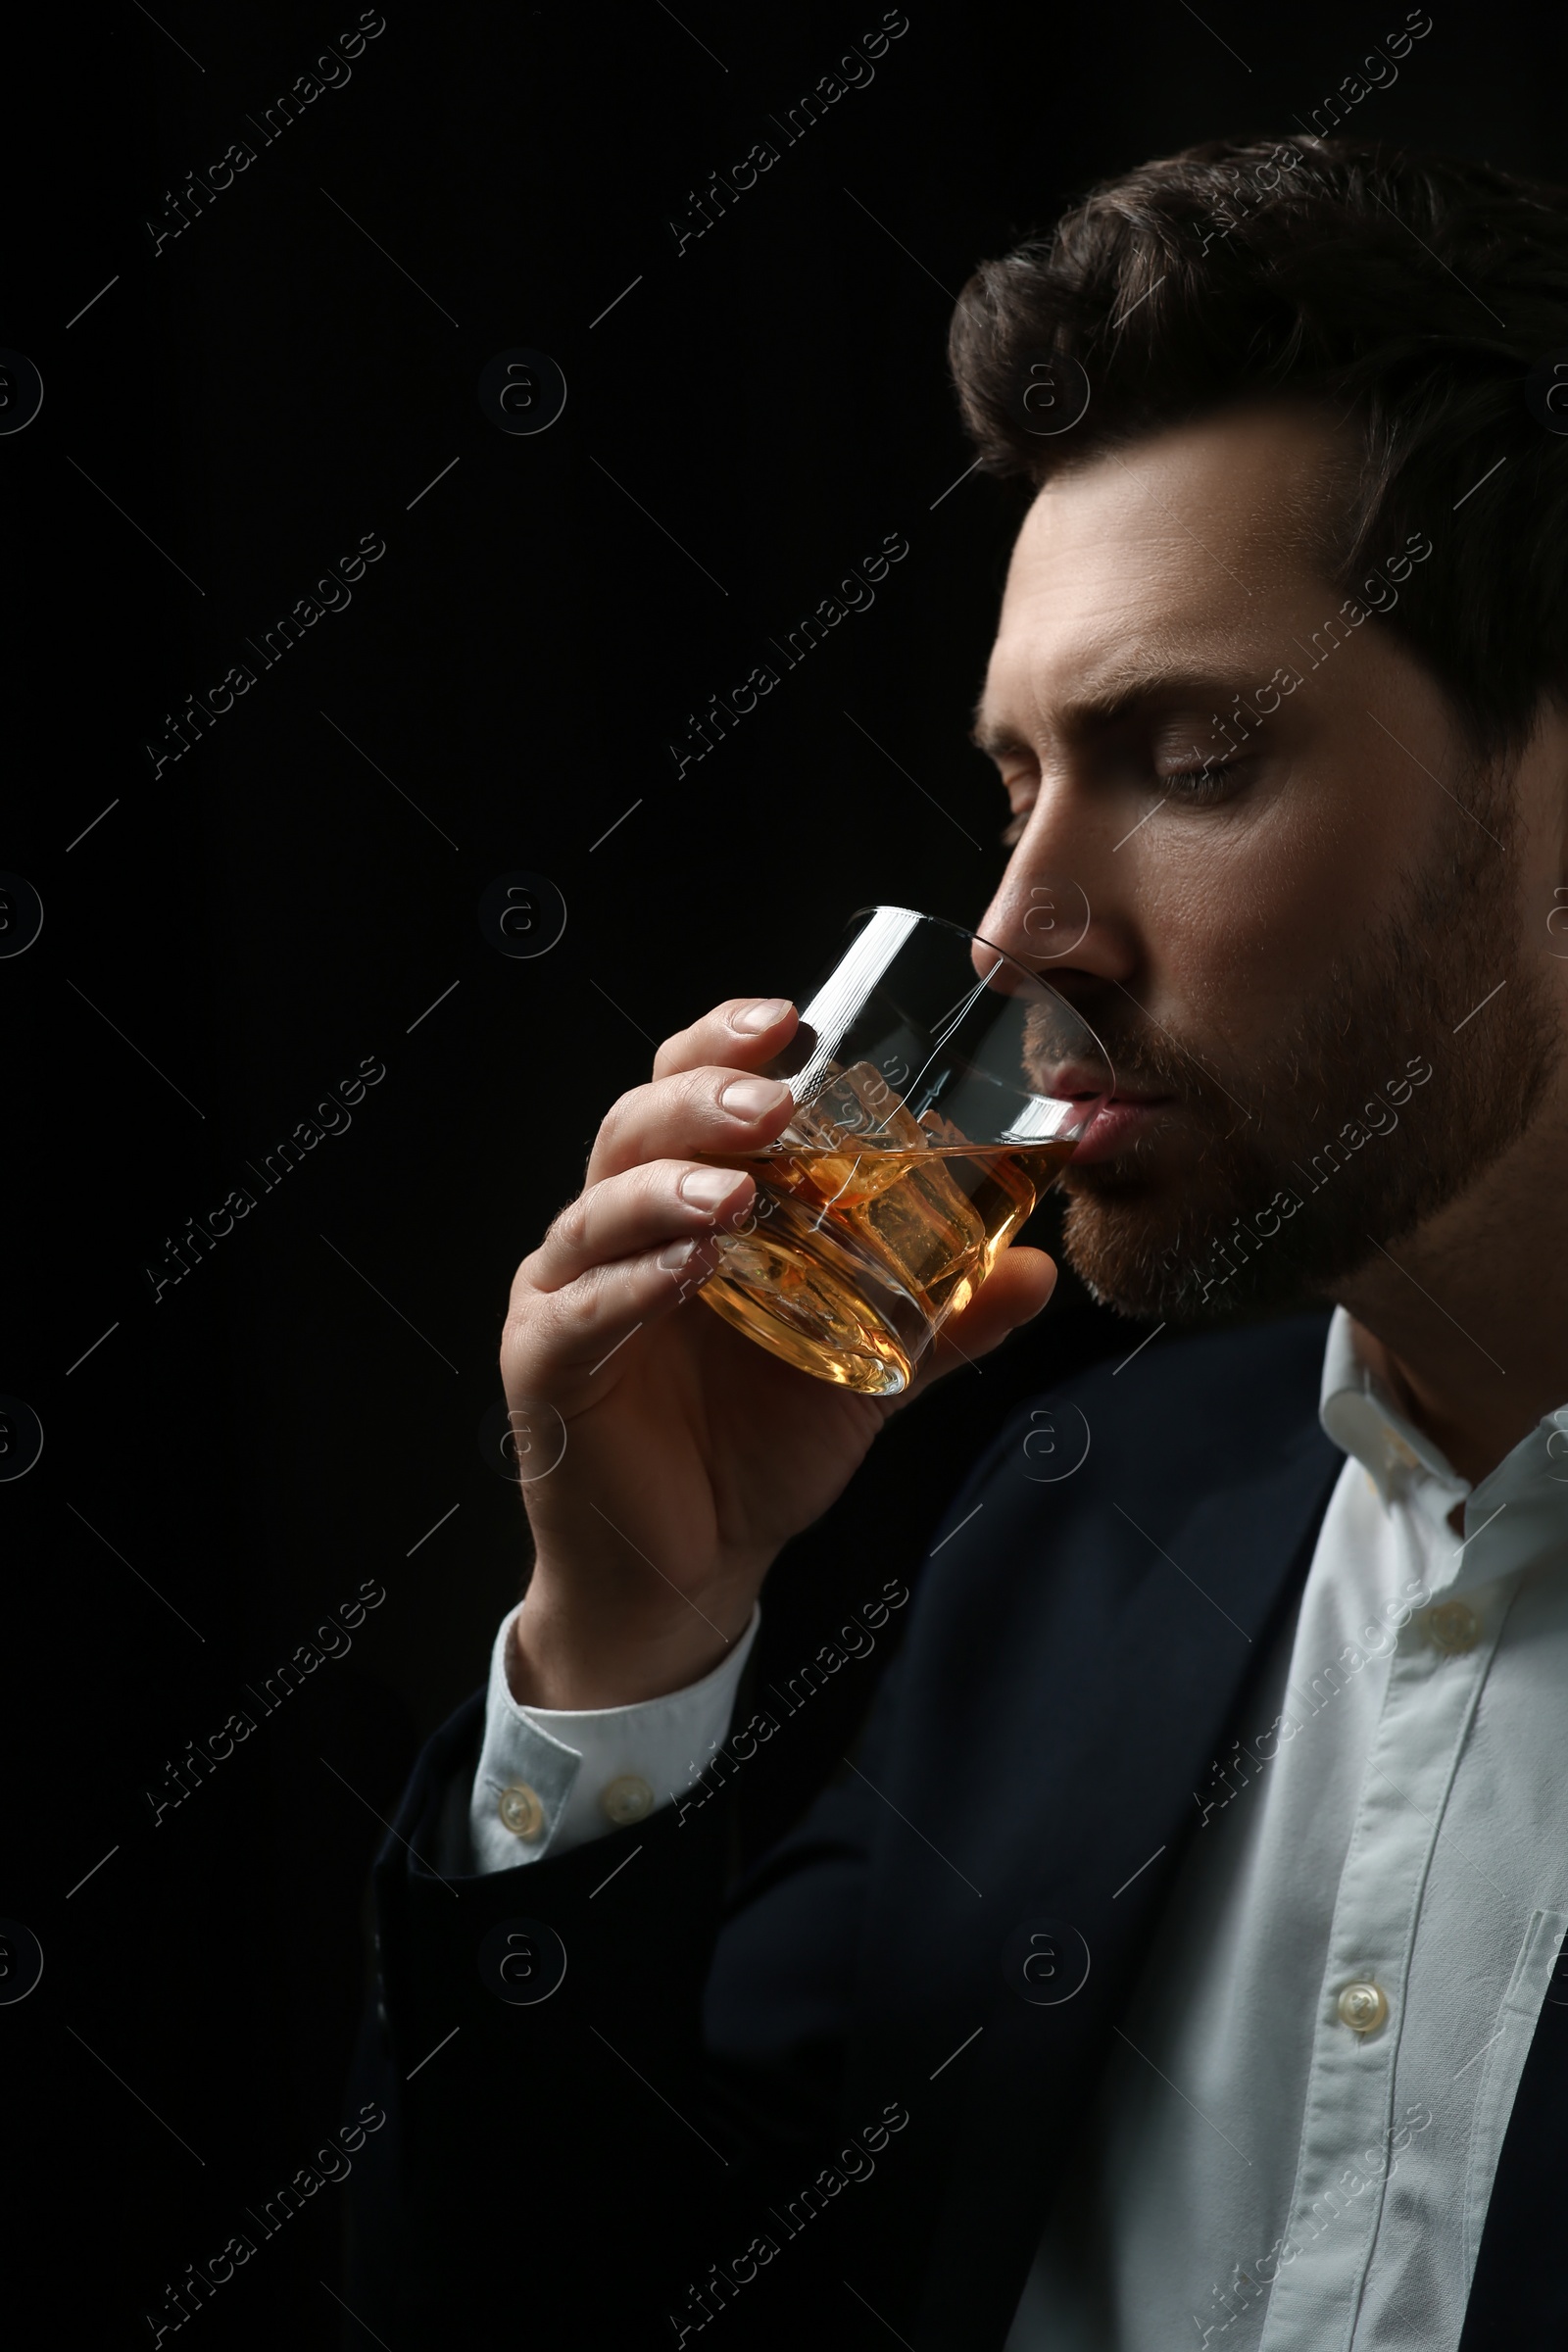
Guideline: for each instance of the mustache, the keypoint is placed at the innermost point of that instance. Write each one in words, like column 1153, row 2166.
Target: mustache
column 1144, row 1058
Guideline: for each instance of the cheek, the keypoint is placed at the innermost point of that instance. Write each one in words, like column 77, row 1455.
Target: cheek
column 1229, row 928
column 1256, row 912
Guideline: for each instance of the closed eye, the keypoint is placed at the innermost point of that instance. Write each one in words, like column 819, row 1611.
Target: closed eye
column 1203, row 787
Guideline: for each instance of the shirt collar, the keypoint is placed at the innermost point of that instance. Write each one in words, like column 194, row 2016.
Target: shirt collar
column 1517, row 1515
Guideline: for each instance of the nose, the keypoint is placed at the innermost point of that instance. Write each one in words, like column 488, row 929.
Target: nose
column 1060, row 904
column 1041, row 920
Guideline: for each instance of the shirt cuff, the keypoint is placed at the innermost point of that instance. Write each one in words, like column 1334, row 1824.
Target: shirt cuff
column 549, row 1779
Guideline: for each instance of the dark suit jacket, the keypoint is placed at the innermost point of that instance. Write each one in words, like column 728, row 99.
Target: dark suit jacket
column 829, row 2103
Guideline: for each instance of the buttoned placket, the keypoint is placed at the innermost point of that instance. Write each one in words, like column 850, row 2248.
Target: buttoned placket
column 1352, row 2126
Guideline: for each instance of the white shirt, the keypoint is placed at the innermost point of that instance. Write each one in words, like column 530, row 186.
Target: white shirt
column 1256, row 2175
column 1283, row 2183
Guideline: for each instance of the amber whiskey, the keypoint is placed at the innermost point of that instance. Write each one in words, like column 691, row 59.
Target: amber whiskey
column 869, row 1230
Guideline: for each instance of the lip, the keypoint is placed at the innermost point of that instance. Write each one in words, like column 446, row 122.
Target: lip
column 1117, row 1121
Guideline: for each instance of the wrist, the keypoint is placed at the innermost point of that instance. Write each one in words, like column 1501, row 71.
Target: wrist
column 566, row 1657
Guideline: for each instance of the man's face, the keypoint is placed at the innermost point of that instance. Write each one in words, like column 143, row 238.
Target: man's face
column 1293, row 903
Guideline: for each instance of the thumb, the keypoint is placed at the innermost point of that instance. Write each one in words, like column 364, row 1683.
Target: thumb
column 1013, row 1293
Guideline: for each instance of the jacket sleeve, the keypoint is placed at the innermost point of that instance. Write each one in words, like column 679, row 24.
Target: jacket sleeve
column 576, row 2169
column 598, row 2070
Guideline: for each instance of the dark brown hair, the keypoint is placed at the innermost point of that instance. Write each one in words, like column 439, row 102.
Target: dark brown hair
column 1411, row 296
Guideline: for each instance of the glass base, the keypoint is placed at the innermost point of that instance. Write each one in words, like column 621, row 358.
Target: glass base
column 834, row 1312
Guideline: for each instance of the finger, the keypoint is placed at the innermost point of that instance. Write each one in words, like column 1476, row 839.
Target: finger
column 742, row 1031
column 562, row 1343
column 662, row 1201
column 1016, row 1289
column 702, row 1110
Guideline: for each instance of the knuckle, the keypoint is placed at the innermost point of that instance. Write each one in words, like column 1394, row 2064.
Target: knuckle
column 568, row 1229
column 714, row 1032
column 669, row 1057
column 576, row 1311
column 706, row 1088
column 659, row 1182
column 620, row 1115
column 531, row 1282
column 517, row 1333
column 524, row 1293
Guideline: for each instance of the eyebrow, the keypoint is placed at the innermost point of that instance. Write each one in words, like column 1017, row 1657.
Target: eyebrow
column 1118, row 699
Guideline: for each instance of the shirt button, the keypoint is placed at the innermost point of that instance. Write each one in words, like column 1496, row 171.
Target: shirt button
column 1362, row 2007
column 1454, row 1627
column 521, row 1811
column 628, row 1798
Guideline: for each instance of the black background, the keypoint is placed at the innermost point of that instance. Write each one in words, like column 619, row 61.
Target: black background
column 300, row 891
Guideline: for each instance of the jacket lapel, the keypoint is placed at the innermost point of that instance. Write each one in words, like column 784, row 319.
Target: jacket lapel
column 1138, row 1728
column 1519, row 2294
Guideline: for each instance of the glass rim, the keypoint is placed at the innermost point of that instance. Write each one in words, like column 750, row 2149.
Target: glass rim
column 947, row 923
column 1086, row 1050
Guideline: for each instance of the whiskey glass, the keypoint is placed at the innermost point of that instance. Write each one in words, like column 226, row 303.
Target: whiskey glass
column 939, row 1085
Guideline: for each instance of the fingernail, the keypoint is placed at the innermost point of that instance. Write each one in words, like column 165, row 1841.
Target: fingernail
column 675, row 1255
column 761, row 1015
column 705, row 1188
column 750, row 1098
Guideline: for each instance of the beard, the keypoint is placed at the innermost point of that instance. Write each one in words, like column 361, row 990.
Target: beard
column 1312, row 1153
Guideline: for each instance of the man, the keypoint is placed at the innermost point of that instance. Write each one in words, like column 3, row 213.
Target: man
column 1174, row 1963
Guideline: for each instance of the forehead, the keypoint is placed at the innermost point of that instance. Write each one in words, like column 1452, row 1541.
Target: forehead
column 1203, row 543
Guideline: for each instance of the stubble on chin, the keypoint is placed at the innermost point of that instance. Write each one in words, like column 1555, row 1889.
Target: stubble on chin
column 1140, row 1232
